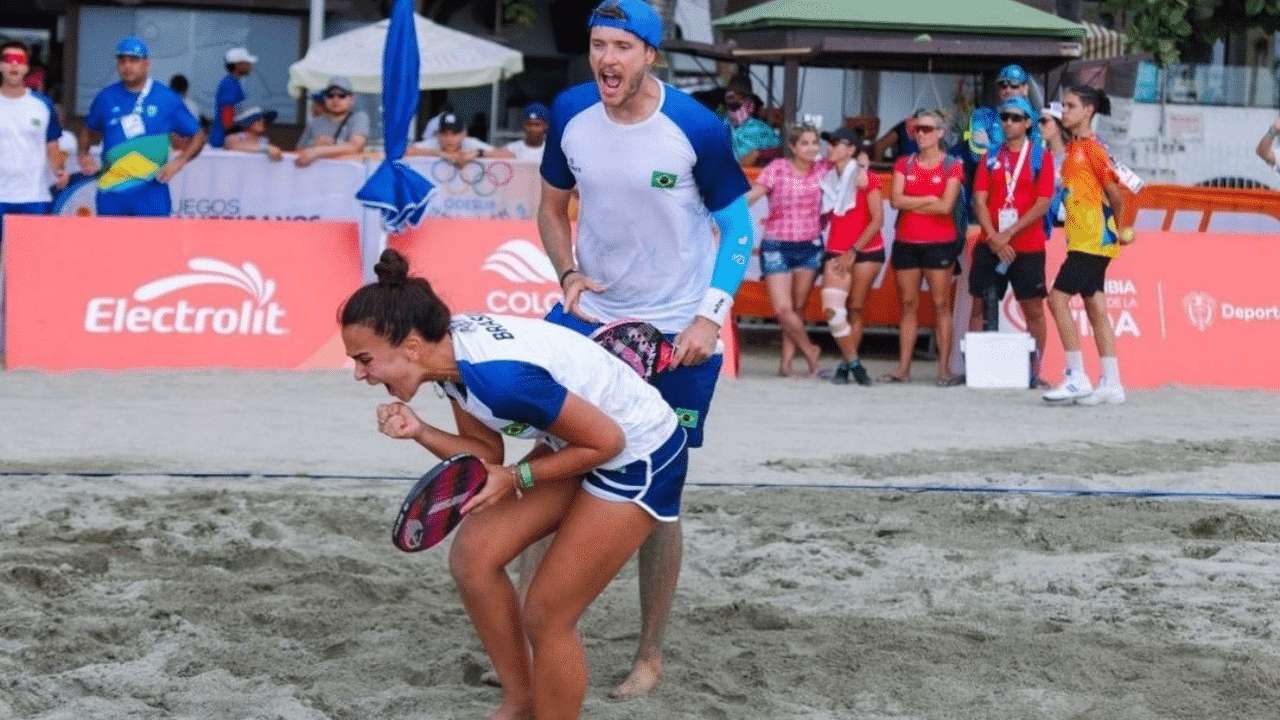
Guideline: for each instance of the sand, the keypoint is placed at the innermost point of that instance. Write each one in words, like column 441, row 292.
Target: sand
column 216, row 545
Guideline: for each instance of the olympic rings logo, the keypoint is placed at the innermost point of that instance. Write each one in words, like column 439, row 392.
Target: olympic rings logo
column 473, row 178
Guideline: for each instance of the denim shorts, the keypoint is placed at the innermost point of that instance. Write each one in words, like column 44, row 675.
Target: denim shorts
column 779, row 256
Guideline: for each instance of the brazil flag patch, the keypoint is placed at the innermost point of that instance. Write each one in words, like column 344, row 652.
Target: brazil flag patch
column 515, row 429
column 687, row 418
column 663, row 180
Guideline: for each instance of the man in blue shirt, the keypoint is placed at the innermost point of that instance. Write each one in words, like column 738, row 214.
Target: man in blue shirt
column 229, row 94
column 134, row 118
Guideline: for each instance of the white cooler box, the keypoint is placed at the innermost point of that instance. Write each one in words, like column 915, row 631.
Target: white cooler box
column 997, row 359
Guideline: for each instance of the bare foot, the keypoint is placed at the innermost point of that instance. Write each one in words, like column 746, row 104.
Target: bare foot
column 643, row 678
column 813, row 361
column 511, row 710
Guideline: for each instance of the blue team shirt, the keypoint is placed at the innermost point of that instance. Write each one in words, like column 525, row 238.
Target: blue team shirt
column 231, row 93
column 130, row 162
column 647, row 190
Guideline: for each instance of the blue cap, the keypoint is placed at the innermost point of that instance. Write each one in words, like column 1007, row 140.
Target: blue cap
column 639, row 19
column 1013, row 73
column 1021, row 104
column 132, row 46
column 536, row 111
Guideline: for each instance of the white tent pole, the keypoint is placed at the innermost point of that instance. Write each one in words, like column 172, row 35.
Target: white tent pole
column 315, row 26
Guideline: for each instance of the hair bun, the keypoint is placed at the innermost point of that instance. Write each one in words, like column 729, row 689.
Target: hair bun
column 392, row 267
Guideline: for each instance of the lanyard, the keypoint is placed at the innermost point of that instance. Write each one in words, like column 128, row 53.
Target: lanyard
column 142, row 96
column 1017, row 173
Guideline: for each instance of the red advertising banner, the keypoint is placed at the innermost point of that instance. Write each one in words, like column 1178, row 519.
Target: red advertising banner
column 113, row 293
column 495, row 266
column 1187, row 308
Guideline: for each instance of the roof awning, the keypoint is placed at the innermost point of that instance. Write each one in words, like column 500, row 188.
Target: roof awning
column 1101, row 43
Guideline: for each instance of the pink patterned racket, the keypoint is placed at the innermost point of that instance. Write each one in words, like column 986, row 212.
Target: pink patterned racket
column 433, row 508
column 638, row 344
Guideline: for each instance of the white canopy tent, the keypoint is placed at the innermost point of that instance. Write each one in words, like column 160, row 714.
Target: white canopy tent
column 449, row 59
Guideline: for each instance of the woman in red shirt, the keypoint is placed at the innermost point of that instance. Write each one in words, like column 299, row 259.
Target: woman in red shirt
column 853, row 206
column 925, row 188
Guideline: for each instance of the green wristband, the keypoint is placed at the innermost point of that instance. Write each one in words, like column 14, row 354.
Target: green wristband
column 526, row 475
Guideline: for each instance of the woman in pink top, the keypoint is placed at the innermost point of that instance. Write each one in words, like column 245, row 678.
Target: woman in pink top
column 925, row 188
column 791, row 249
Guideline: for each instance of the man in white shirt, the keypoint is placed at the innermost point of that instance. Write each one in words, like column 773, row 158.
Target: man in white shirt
column 536, row 117
column 454, row 145
column 29, row 132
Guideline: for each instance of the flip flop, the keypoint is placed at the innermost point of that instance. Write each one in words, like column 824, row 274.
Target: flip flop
column 891, row 378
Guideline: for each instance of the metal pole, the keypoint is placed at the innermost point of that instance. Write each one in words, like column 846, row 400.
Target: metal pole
column 315, row 24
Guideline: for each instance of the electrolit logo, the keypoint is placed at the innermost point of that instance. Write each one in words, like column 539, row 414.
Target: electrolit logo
column 521, row 262
column 147, row 312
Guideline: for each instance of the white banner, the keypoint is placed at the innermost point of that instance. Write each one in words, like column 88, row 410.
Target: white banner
column 248, row 186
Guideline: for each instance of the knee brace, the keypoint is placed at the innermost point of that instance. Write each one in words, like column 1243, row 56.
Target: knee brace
column 833, row 300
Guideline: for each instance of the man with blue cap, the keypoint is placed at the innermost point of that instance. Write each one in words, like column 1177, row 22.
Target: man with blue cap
column 1012, row 190
column 651, row 166
column 134, row 118
column 535, row 119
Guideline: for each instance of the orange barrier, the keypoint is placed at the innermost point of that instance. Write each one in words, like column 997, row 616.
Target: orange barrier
column 1206, row 201
column 496, row 266
column 114, row 293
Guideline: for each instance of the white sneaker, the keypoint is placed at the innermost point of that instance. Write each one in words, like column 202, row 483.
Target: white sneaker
column 1073, row 387
column 1106, row 393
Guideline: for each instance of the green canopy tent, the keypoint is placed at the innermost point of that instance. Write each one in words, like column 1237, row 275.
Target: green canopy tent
column 952, row 36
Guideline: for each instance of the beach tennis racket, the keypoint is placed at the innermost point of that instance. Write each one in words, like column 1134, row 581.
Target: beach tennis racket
column 433, row 508
column 638, row 344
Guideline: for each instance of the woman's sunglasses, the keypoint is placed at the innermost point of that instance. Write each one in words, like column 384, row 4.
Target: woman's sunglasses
column 1013, row 117
column 1005, row 85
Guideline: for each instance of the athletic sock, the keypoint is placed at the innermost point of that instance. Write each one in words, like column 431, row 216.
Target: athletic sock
column 1075, row 362
column 1110, row 371
column 854, row 363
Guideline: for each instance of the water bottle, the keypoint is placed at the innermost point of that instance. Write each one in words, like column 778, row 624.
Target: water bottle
column 1002, row 268
column 990, row 310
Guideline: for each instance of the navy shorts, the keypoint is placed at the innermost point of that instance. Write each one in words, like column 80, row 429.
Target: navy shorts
column 875, row 256
column 687, row 389
column 151, row 199
column 654, row 483
column 1082, row 274
column 1025, row 273
column 779, row 256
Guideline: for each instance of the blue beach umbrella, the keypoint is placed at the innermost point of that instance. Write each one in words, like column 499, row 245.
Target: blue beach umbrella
column 394, row 189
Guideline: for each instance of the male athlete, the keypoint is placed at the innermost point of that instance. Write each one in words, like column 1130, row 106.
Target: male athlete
column 653, row 168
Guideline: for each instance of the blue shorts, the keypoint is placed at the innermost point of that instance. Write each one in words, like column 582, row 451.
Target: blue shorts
column 687, row 389
column 779, row 256
column 654, row 483
column 151, row 199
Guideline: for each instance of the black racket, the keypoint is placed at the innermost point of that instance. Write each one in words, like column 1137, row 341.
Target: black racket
column 638, row 344
column 433, row 508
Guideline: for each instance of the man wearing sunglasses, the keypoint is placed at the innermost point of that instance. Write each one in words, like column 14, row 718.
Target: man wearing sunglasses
column 339, row 130
column 1011, row 195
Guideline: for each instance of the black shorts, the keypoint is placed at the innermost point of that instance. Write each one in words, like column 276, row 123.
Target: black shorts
column 1025, row 273
column 929, row 256
column 1082, row 274
column 875, row 256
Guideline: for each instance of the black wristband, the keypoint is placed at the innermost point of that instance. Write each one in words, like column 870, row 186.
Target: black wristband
column 566, row 274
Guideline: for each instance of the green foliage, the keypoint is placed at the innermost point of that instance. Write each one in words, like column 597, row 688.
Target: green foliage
column 1166, row 28
column 520, row 13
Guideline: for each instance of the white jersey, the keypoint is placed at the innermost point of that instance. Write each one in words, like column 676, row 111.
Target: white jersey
column 517, row 372
column 524, row 153
column 27, row 125
column 644, row 229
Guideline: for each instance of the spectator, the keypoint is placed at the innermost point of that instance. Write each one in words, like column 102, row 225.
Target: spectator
column 479, row 128
column 134, row 118
column 339, row 130
column 853, row 205
column 926, row 186
column 29, row 132
column 985, row 130
column 529, row 149
column 1095, row 204
column 1011, row 197
column 433, row 125
column 179, row 84
column 791, row 246
column 750, row 134
column 249, row 133
column 1267, row 146
column 1055, row 141
column 899, row 141
column 229, row 94
column 454, row 145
